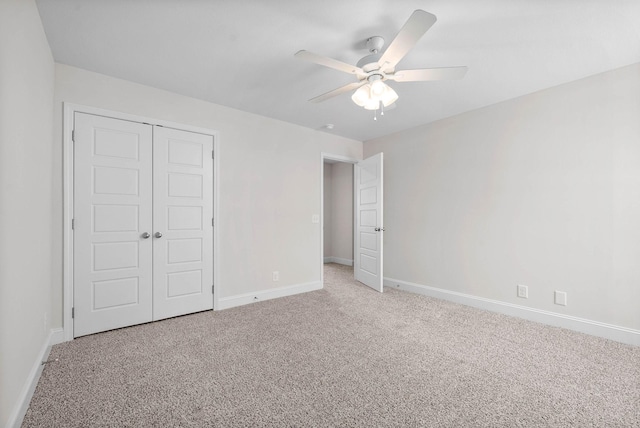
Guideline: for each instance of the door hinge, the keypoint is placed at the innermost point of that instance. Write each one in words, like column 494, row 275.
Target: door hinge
column 73, row 312
column 212, row 224
column 212, row 288
column 73, row 135
column 213, row 154
column 73, row 224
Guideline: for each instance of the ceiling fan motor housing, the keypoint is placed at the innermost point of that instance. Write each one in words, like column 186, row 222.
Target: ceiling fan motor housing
column 370, row 62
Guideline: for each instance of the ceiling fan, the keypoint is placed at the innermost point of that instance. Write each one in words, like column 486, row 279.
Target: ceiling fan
column 371, row 91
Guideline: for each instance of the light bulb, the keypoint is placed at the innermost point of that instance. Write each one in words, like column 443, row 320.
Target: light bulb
column 377, row 88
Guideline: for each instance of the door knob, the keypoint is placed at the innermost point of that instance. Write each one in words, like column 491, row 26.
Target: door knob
column 158, row 235
column 379, row 229
column 145, row 235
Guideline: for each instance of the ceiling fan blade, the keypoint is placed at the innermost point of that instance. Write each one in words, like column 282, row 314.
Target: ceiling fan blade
column 417, row 24
column 426, row 74
column 336, row 92
column 329, row 62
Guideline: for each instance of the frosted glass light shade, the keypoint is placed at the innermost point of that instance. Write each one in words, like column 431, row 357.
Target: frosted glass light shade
column 362, row 95
column 372, row 104
column 389, row 96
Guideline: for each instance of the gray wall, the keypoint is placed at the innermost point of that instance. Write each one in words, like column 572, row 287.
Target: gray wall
column 327, row 210
column 542, row 190
column 26, row 114
column 342, row 215
column 338, row 212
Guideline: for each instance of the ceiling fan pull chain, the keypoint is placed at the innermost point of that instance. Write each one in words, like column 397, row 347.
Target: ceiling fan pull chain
column 375, row 114
column 381, row 108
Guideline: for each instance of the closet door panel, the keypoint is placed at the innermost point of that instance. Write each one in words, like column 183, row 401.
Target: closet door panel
column 183, row 232
column 112, row 210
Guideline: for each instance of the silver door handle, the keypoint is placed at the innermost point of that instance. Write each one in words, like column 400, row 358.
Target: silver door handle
column 145, row 235
column 379, row 229
column 158, row 235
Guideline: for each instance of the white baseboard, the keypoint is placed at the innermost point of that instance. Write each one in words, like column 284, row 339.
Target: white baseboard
column 274, row 293
column 56, row 336
column 338, row 260
column 595, row 328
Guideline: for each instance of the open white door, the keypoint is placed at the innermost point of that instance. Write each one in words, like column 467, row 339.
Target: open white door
column 369, row 222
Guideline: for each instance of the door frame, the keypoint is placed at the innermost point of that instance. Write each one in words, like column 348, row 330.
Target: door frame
column 344, row 159
column 69, row 110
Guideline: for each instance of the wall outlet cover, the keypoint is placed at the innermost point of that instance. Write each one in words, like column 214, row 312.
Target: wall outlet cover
column 523, row 291
column 560, row 298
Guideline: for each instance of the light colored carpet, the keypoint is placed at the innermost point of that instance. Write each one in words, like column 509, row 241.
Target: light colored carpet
column 343, row 356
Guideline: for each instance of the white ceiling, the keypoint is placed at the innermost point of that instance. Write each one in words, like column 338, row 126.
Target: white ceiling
column 239, row 53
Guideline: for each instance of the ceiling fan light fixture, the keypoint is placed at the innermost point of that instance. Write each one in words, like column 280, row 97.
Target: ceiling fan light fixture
column 371, row 95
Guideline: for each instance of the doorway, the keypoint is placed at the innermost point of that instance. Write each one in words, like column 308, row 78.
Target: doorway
column 338, row 212
column 366, row 217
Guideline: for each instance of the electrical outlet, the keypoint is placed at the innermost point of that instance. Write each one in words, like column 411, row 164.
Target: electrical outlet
column 523, row 291
column 315, row 218
column 276, row 275
column 560, row 298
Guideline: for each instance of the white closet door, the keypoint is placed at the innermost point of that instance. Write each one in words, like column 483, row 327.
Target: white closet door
column 183, row 230
column 112, row 212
